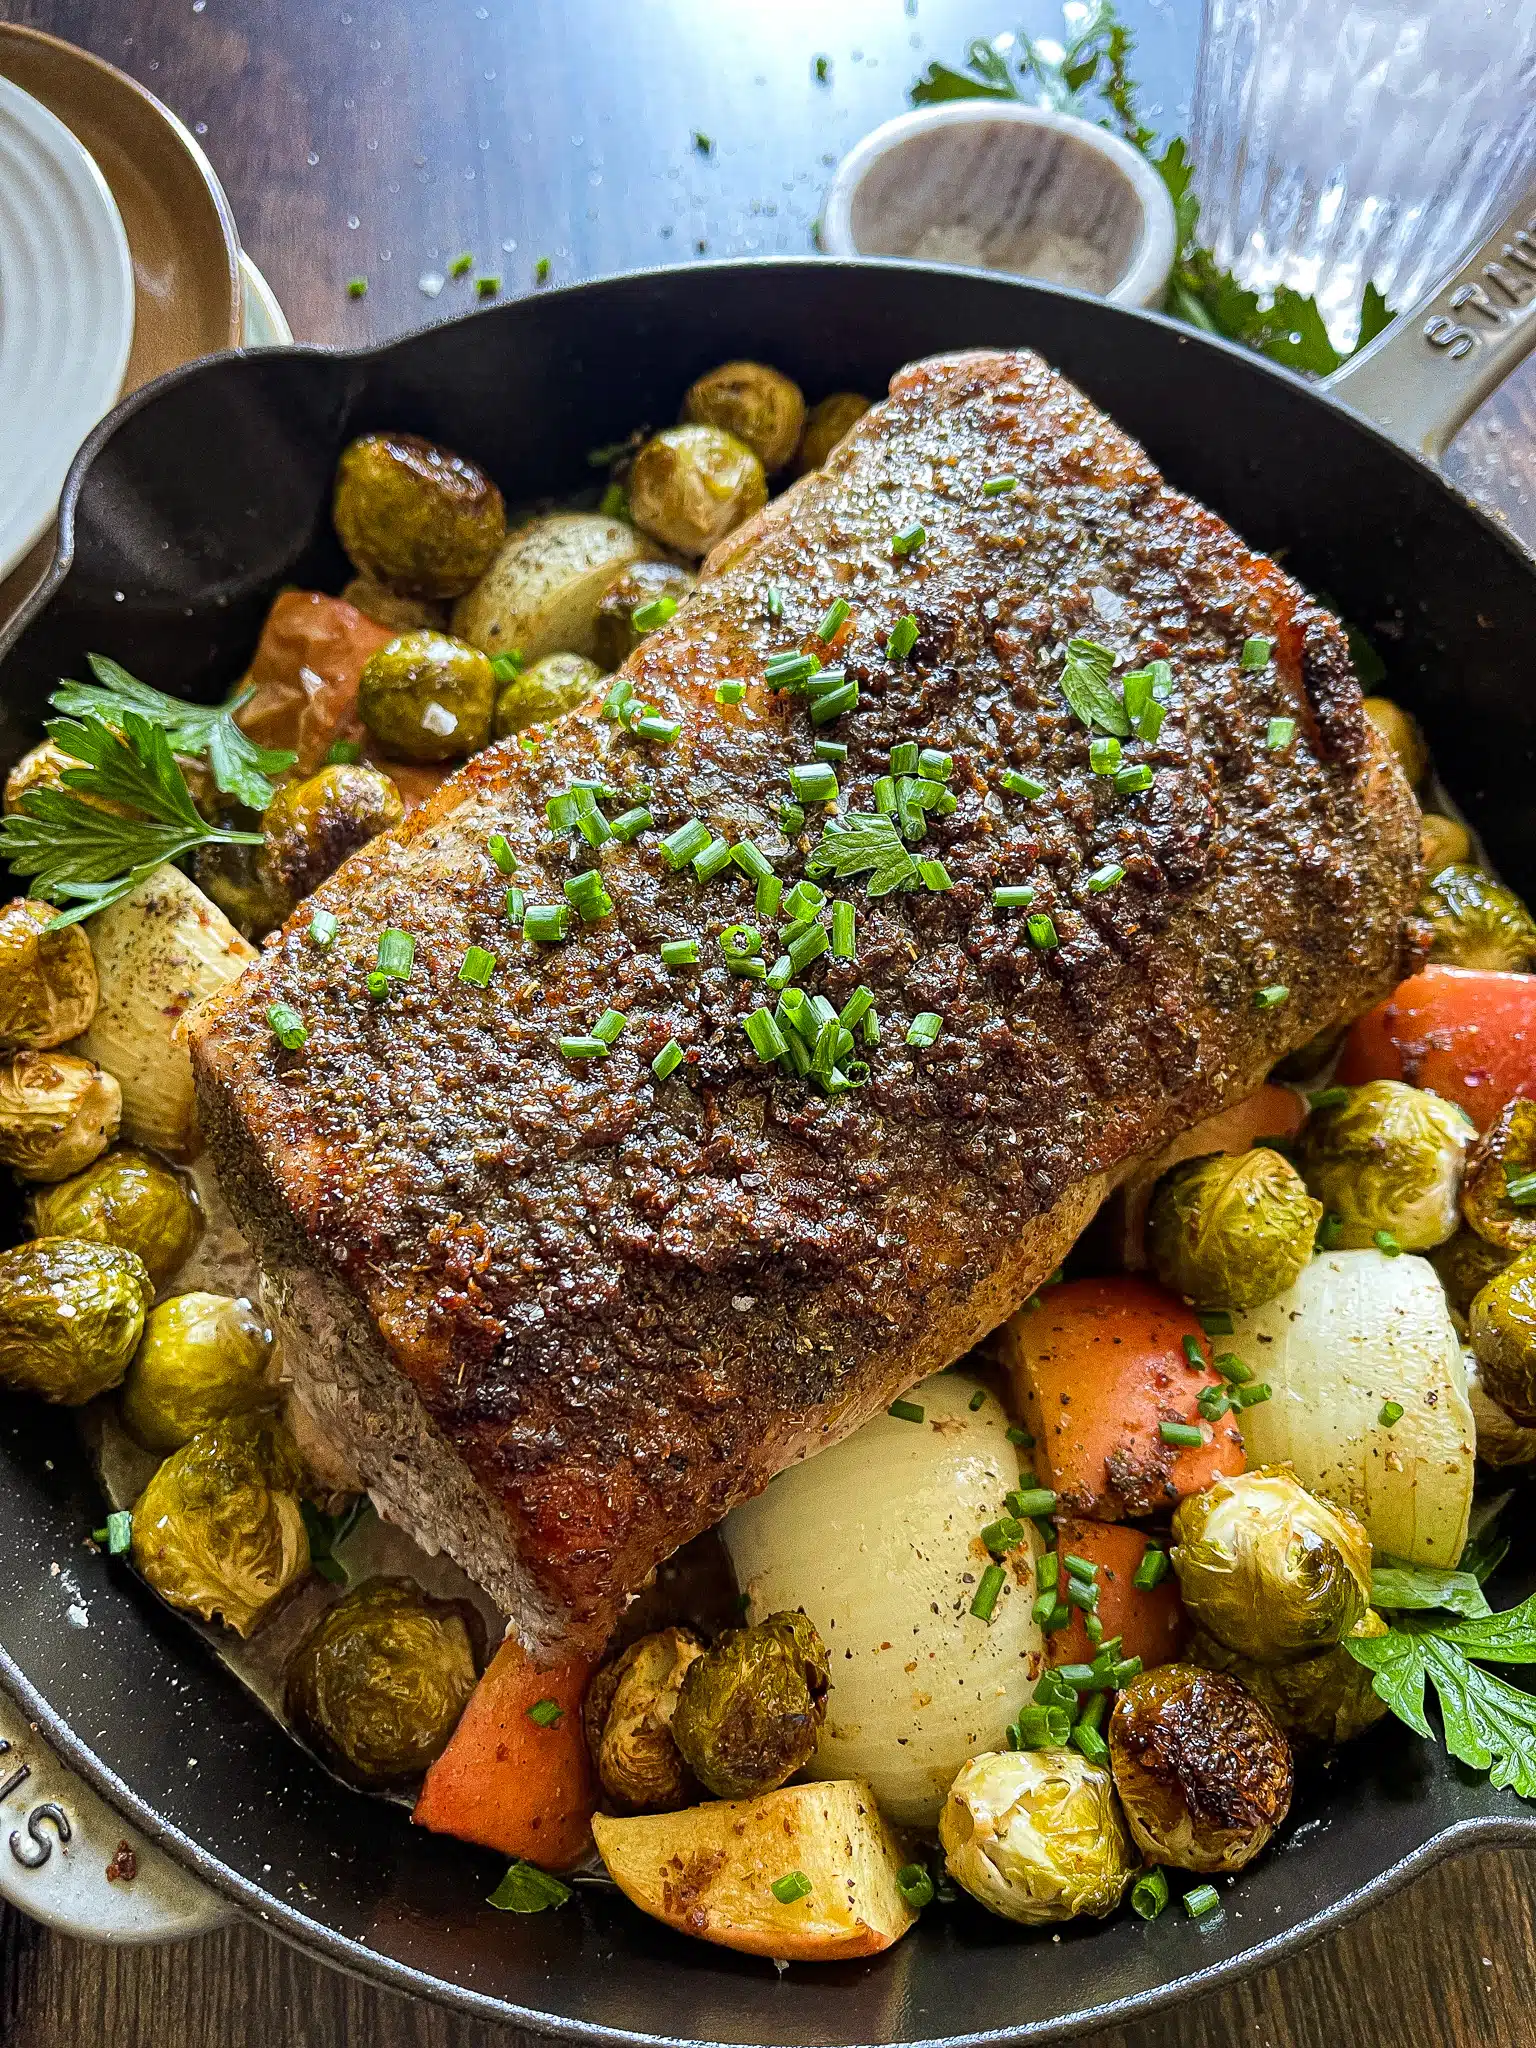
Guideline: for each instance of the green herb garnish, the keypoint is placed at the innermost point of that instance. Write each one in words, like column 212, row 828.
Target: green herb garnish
column 527, row 1889
column 864, row 843
column 1085, row 685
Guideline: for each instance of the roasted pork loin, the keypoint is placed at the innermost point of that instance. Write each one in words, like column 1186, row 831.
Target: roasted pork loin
column 562, row 1315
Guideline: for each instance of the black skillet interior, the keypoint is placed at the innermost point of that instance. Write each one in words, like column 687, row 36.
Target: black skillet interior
column 188, row 511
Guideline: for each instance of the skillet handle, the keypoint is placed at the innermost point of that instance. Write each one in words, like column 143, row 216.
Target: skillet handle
column 1423, row 378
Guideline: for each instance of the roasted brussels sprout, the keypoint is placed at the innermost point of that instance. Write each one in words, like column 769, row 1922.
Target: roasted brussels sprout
column 1204, row 1774
column 628, row 1718
column 1498, row 1191
column 71, row 1314
column 1503, row 1324
column 1232, row 1229
column 1477, row 922
column 414, row 516
column 1036, row 1835
column 1389, row 1158
column 1321, row 1700
column 760, row 406
column 388, row 607
column 58, row 1112
column 219, row 1529
column 428, row 697
column 547, row 689
column 1267, row 1568
column 1442, row 841
column 47, row 979
column 130, row 1199
column 1401, row 732
column 825, row 425
column 750, row 1709
column 1466, row 1263
column 379, row 1683
column 311, row 827
column 1501, row 1441
column 202, row 1357
column 691, row 485
column 642, row 583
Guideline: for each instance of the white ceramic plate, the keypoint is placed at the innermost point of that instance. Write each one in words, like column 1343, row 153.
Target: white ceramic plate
column 66, row 311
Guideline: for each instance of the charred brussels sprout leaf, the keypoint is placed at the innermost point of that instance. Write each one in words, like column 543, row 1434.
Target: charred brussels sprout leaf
column 219, row 1530
column 58, row 1112
column 1267, row 1568
column 428, row 697
column 760, row 406
column 129, row 1198
column 628, row 1716
column 1466, row 1263
column 48, row 987
column 751, row 1708
column 1388, row 1158
column 202, row 1357
column 414, row 516
column 1477, row 922
column 1503, row 1324
column 1232, row 1230
column 379, row 1683
column 1203, row 1772
column 1498, row 1195
column 1035, row 1835
column 692, row 485
column 71, row 1314
column 1319, row 1701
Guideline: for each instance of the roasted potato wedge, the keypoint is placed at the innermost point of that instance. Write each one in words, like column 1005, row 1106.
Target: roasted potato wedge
column 540, row 595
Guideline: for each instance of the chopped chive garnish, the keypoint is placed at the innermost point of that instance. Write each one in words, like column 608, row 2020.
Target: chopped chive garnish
column 935, row 876
column 813, row 782
column 1186, row 1434
column 804, row 900
column 906, row 1411
column 773, row 601
column 903, row 638
column 477, row 967
column 1391, row 1412
column 910, row 538
column 835, row 751
column 1042, row 931
column 1029, row 1503
column 769, row 890
column 378, row 985
column 712, row 860
column 287, row 1026
column 1256, row 651
column 1106, row 877
column 1272, row 997
column 793, row 1885
column 357, row 287
column 767, row 1039
column 1131, row 781
column 1216, row 1322
column 547, row 923
column 978, row 1400
column 730, row 692
column 1015, row 896
column 842, row 931
column 654, row 727
column 343, row 753
column 618, row 694
column 594, row 828
column 397, row 952
column 583, row 1048
column 934, row 765
column 1328, row 1098
column 323, row 927
column 1020, row 1437
column 609, row 1026
column 1330, row 1230
column 782, row 671
column 679, row 847
column 1202, row 1899
column 871, row 1027
column 836, row 612
column 1232, row 1368
column 679, row 952
column 1250, row 1397
column 1047, row 1571
column 988, row 1586
column 630, row 824
column 924, row 1028
column 1385, row 1241
column 1104, row 755
column 834, row 703
column 646, row 617
column 1149, row 1894
column 668, row 1060
column 750, row 859
column 904, row 758
column 1089, row 1742
column 546, row 1713
column 1003, row 1535
column 1082, row 1595
column 501, row 853
column 915, row 1886
column 858, row 1005
column 587, row 896
column 1213, row 1403
column 563, row 809
column 1192, row 1353
column 809, row 946
column 1279, row 733
column 779, row 973
column 119, row 1532
column 1150, row 723
column 999, row 486
column 1082, row 1568
column 743, row 940
column 1152, row 1570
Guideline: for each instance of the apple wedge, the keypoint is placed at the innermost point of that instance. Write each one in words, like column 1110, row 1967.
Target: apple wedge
column 711, row 1870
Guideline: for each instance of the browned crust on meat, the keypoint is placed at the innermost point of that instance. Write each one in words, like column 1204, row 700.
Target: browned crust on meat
column 626, row 1304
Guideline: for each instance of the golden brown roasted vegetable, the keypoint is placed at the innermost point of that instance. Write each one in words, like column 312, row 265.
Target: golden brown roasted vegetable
column 428, row 697
column 1442, row 841
column 758, row 405
column 42, row 768
column 540, row 595
column 47, row 979
column 1503, row 1324
column 825, row 425
column 128, row 1198
column 646, row 588
column 415, row 516
column 379, row 1683
column 1401, row 732
column 1319, row 1701
column 1388, row 1159
column 202, row 1358
column 690, row 486
column 58, row 1112
column 1232, row 1230
column 1465, row 1264
column 1036, row 1836
column 552, row 686
column 1498, row 1191
column 751, row 1707
column 70, row 1316
column 628, row 1718
column 311, row 827
column 1477, row 922
column 391, row 608
column 1204, row 1774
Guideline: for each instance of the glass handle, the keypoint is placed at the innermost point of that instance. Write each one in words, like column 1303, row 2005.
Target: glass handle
column 1428, row 373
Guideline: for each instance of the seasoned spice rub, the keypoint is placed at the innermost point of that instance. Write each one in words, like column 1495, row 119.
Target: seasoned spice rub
column 564, row 1314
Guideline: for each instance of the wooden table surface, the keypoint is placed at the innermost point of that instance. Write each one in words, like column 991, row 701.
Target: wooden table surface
column 379, row 139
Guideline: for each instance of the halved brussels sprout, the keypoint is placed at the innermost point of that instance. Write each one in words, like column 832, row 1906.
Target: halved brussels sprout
column 428, row 697
column 1036, row 1835
column 548, row 688
column 1503, row 1324
column 58, row 1112
column 388, row 607
column 1498, row 1193
column 760, row 406
column 1477, row 922
column 129, row 1198
column 690, row 486
column 1401, row 732
column 42, row 768
column 71, row 1314
column 628, row 1718
column 219, row 1529
column 750, row 1708
column 1320, row 1701
column 1269, row 1569
column 1465, row 1264
column 616, row 635
column 379, row 1683
column 1203, row 1772
column 48, row 987
column 202, row 1357
column 825, row 425
column 1232, row 1229
column 415, row 516
column 311, row 827
column 1442, row 841
column 1389, row 1158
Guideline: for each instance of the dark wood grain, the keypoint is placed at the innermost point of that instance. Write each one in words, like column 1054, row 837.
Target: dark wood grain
column 379, row 138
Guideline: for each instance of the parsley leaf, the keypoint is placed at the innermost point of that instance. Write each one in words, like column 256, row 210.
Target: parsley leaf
column 864, row 843
column 240, row 767
column 1400, row 1588
column 1086, row 686
column 527, row 1889
column 327, row 1532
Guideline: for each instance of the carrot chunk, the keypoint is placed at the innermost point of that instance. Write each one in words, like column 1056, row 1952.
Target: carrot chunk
column 1467, row 1033
column 1151, row 1624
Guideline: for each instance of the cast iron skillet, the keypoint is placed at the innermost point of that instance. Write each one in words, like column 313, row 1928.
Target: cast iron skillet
column 189, row 507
